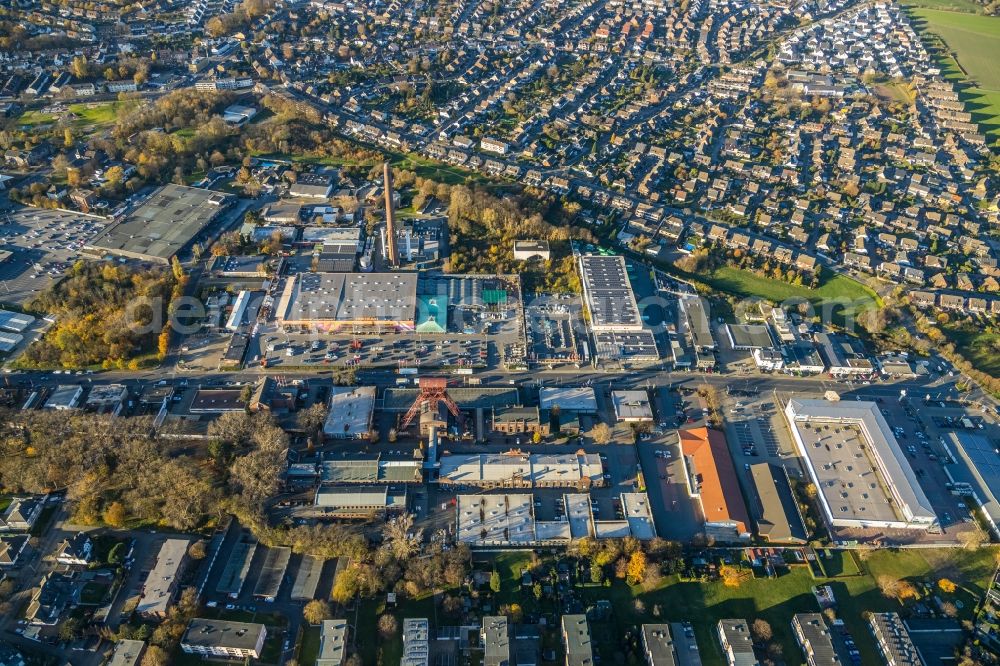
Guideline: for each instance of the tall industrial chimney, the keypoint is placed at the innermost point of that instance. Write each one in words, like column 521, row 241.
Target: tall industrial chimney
column 390, row 218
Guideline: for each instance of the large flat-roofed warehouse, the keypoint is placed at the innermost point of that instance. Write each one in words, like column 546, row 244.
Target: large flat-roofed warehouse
column 499, row 520
column 977, row 472
column 608, row 295
column 330, row 301
column 863, row 477
column 16, row 322
column 711, row 479
column 508, row 520
column 748, row 337
column 369, row 470
column 519, row 470
column 165, row 225
column 632, row 406
column 577, row 399
column 359, row 502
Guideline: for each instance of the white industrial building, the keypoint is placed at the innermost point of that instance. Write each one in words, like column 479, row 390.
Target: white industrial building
column 632, row 406
column 64, row 397
column 508, row 520
column 514, row 469
column 858, row 467
column 351, row 412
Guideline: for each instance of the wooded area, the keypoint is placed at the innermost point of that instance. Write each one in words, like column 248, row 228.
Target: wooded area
column 107, row 315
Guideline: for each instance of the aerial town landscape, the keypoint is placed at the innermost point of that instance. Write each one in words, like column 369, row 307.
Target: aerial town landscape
column 445, row 333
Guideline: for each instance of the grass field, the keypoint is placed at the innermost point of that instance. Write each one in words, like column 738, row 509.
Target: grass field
column 32, row 118
column 840, row 563
column 840, row 295
column 309, row 648
column 776, row 600
column 967, row 6
column 423, row 167
column 971, row 54
column 89, row 117
column 978, row 346
column 974, row 39
column 984, row 105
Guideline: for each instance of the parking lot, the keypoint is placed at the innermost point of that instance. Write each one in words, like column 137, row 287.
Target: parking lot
column 43, row 244
column 390, row 350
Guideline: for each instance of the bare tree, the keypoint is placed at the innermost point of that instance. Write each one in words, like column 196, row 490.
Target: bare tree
column 316, row 611
column 388, row 625
column 398, row 536
column 761, row 630
column 601, row 433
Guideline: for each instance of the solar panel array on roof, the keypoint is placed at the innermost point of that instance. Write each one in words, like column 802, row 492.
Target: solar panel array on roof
column 630, row 345
column 608, row 293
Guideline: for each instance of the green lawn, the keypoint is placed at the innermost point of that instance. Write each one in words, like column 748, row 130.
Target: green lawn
column 971, row 54
column 974, row 39
column 309, row 648
column 94, row 593
column 838, row 294
column 978, row 346
column 984, row 105
column 428, row 168
column 100, row 113
column 840, row 563
column 36, row 118
column 968, row 6
column 89, row 116
column 368, row 639
column 776, row 600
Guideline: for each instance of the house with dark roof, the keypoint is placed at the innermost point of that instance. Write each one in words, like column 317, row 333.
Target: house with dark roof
column 11, row 548
column 775, row 510
column 76, row 550
column 21, row 515
column 55, row 594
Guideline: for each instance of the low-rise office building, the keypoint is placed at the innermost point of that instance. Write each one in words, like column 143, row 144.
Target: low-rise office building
column 577, row 641
column 162, row 582
column 737, row 645
column 220, row 638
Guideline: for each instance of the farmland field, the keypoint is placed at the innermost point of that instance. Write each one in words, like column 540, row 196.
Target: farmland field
column 974, row 40
column 967, row 6
column 970, row 54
